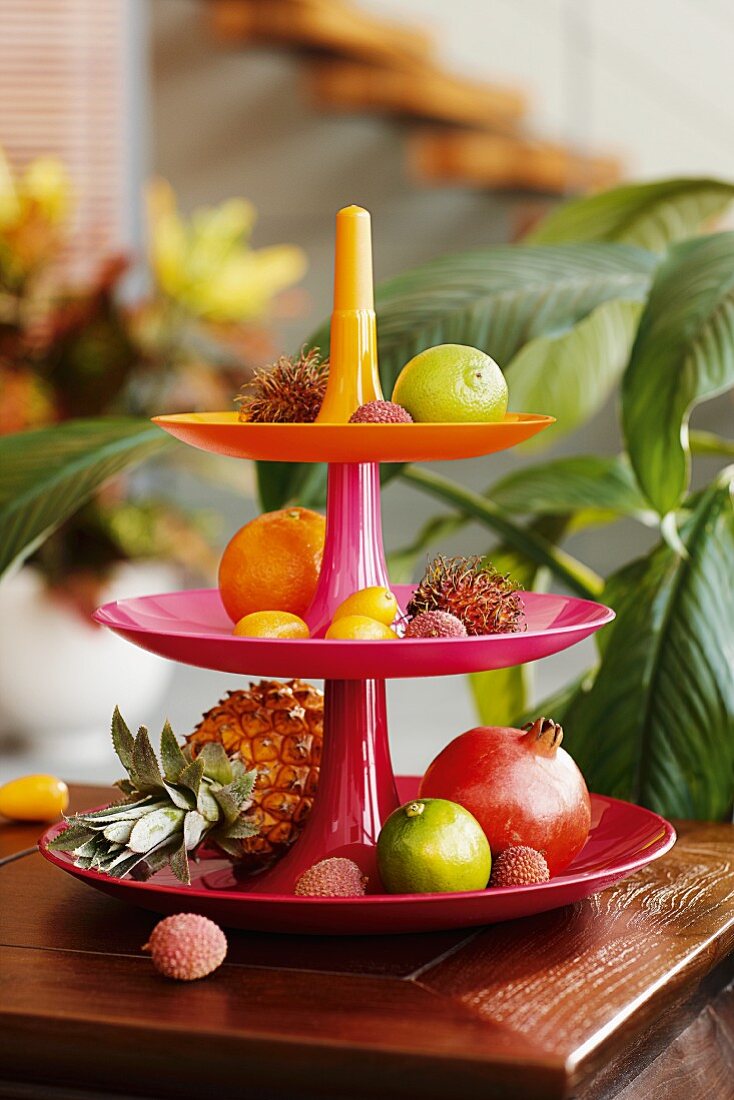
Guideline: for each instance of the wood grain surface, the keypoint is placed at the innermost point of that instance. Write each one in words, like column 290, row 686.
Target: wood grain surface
column 625, row 995
column 631, row 950
column 40, row 893
column 699, row 1064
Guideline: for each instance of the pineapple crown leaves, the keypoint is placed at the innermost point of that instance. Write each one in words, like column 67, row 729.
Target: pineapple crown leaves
column 191, row 776
column 145, row 773
column 122, row 740
column 172, row 757
column 216, row 763
column 137, row 757
column 236, row 797
column 167, row 815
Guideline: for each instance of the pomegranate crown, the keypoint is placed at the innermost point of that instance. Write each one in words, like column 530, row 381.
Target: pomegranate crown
column 545, row 735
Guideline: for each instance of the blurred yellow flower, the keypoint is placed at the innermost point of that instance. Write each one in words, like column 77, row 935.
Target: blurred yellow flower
column 9, row 202
column 42, row 191
column 33, row 207
column 47, row 186
column 208, row 266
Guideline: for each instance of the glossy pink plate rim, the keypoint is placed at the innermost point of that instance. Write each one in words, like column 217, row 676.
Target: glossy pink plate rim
column 624, row 838
column 193, row 627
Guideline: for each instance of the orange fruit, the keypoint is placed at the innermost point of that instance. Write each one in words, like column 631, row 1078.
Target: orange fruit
column 376, row 602
column 271, row 624
column 273, row 563
column 360, row 628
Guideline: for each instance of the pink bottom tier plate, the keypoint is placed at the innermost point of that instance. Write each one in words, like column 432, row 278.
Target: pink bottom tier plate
column 623, row 839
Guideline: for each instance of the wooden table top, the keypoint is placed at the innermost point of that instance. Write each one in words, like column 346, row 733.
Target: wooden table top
column 627, row 994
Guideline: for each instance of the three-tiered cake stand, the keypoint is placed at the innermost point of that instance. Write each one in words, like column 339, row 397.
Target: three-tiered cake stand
column 357, row 789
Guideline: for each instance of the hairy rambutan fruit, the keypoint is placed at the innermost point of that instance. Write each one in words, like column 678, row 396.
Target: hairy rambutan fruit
column 519, row 866
column 484, row 600
column 332, row 878
column 435, row 624
column 291, row 391
column 186, row 946
column 381, row 412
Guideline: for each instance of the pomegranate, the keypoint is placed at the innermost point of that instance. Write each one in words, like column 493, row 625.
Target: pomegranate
column 520, row 786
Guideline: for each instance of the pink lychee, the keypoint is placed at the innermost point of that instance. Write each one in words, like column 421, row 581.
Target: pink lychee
column 332, row 878
column 519, row 866
column 186, row 946
column 381, row 412
column 435, row 624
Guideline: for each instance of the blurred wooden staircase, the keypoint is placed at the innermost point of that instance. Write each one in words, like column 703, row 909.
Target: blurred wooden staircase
column 462, row 132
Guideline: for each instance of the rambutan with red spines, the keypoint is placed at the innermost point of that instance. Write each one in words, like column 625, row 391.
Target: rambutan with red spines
column 290, row 391
column 435, row 624
column 519, row 866
column 332, row 878
column 381, row 412
column 483, row 599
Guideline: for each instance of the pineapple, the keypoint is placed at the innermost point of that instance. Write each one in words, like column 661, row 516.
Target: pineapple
column 277, row 729
column 169, row 810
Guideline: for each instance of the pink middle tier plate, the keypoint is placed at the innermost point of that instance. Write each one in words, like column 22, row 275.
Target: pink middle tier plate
column 194, row 628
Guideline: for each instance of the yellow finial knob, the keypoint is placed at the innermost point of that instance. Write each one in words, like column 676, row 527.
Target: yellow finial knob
column 353, row 373
column 353, row 260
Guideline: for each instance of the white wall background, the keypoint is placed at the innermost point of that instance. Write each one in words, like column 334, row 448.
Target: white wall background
column 651, row 79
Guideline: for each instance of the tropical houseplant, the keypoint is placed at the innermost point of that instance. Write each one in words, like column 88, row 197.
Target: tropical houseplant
column 617, row 291
column 92, row 351
column 95, row 351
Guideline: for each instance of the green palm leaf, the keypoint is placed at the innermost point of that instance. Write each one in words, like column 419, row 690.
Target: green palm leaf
column 403, row 563
column 657, row 725
column 683, row 354
column 46, row 475
column 572, row 376
column 590, row 486
column 278, row 483
column 650, row 215
column 501, row 694
column 499, row 299
column 529, row 543
column 583, row 490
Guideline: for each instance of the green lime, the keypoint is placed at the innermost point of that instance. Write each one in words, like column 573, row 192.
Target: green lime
column 452, row 383
column 433, row 846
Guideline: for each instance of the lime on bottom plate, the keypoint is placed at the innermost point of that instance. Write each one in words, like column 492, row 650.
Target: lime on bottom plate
column 433, row 846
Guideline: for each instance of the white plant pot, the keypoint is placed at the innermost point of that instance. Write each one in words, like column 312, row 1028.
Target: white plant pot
column 61, row 676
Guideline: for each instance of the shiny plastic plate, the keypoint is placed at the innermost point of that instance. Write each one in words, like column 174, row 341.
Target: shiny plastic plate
column 193, row 627
column 223, row 433
column 623, row 839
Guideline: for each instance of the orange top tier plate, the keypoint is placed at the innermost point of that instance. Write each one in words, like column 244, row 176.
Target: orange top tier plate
column 353, row 380
column 223, row 433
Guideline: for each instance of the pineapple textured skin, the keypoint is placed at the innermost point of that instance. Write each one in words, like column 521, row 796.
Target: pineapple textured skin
column 276, row 727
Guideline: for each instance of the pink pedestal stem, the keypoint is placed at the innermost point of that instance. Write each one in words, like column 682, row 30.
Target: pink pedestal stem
column 356, row 783
column 353, row 553
column 356, row 788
